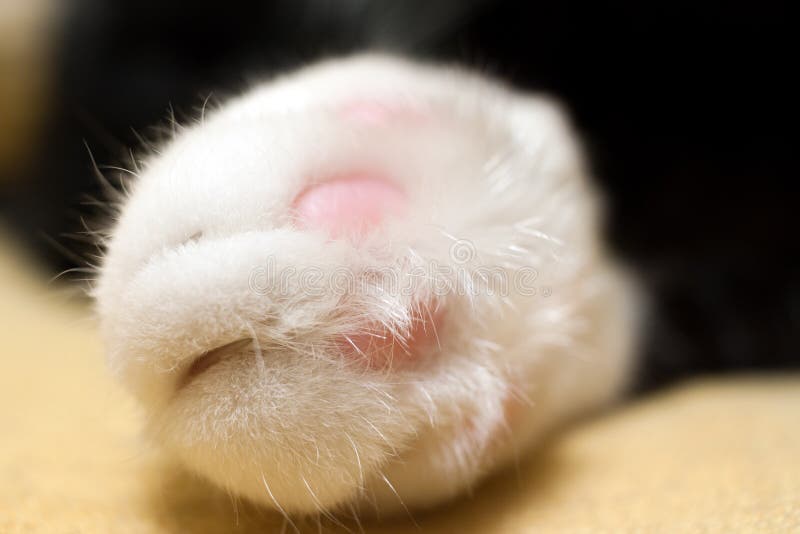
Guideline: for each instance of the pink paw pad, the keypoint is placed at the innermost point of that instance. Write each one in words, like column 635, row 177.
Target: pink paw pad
column 349, row 205
column 378, row 348
column 377, row 112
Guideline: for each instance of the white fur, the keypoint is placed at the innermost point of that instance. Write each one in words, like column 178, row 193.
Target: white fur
column 288, row 421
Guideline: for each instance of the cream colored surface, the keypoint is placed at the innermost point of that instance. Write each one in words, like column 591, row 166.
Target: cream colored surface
column 719, row 455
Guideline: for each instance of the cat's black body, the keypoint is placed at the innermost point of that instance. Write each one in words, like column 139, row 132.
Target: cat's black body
column 686, row 113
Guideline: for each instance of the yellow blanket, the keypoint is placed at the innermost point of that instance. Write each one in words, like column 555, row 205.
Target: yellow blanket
column 717, row 455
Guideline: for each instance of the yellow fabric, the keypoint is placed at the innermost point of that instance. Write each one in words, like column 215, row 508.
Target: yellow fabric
column 710, row 456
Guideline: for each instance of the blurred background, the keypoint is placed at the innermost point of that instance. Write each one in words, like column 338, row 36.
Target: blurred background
column 688, row 111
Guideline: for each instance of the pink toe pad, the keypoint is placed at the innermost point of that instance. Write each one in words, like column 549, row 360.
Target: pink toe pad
column 351, row 204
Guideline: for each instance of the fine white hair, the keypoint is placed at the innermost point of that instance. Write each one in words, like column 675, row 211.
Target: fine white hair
column 501, row 241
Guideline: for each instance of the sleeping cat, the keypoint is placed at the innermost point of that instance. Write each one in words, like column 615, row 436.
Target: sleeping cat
column 365, row 284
